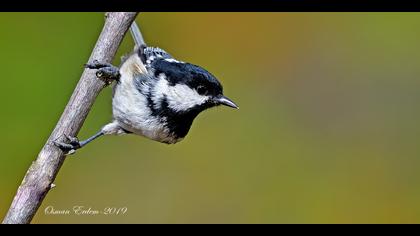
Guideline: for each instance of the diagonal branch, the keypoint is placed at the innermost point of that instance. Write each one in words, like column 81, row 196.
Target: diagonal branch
column 40, row 176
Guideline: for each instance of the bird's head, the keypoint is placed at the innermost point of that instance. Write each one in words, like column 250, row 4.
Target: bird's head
column 188, row 88
column 179, row 91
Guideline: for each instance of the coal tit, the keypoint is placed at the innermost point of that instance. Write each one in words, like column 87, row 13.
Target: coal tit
column 155, row 95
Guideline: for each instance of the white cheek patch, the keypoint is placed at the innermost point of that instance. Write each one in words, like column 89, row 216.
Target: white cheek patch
column 180, row 97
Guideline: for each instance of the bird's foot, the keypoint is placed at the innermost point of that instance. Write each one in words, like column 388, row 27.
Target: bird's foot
column 105, row 71
column 70, row 147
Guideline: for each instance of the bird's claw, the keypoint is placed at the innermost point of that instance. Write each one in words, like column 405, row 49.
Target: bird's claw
column 105, row 71
column 95, row 64
column 70, row 147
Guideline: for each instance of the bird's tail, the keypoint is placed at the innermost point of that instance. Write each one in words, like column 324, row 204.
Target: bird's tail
column 136, row 34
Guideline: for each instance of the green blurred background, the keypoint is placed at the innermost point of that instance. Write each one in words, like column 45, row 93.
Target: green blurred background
column 327, row 130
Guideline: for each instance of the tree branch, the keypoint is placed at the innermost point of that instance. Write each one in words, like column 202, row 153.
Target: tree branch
column 41, row 175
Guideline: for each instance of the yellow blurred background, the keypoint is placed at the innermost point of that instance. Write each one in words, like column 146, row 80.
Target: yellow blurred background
column 327, row 130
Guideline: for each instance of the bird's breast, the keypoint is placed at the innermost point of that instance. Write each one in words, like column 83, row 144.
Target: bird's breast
column 131, row 110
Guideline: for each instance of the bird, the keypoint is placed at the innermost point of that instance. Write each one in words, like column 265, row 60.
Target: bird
column 154, row 95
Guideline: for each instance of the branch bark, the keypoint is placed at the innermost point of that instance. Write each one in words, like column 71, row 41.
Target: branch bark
column 41, row 175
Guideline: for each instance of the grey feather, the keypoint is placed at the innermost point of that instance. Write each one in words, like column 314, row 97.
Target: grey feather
column 136, row 34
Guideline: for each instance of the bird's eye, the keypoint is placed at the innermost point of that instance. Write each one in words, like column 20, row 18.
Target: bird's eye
column 201, row 90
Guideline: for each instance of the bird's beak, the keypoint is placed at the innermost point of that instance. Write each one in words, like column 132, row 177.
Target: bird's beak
column 222, row 100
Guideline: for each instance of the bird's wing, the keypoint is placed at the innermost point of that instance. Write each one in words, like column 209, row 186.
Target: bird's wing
column 150, row 54
column 154, row 52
